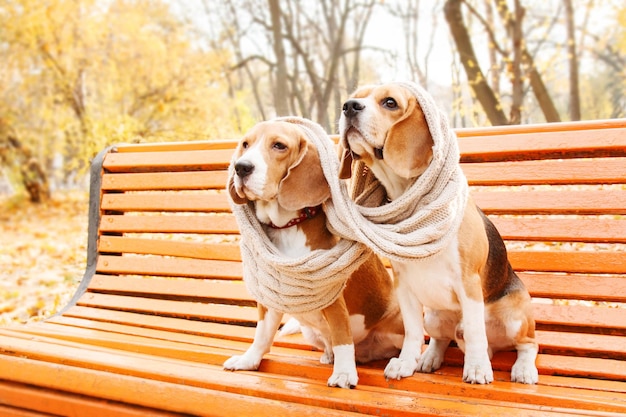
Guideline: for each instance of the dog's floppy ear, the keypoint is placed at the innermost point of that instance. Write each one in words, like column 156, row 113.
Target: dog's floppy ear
column 345, row 167
column 305, row 184
column 409, row 144
column 237, row 199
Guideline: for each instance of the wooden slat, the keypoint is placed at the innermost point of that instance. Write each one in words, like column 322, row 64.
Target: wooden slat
column 166, row 202
column 221, row 313
column 200, row 145
column 577, row 287
column 65, row 404
column 231, row 291
column 578, row 344
column 596, row 319
column 541, row 128
column 200, row 180
column 129, row 337
column 201, row 349
column 168, row 161
column 556, row 144
column 574, row 229
column 590, row 202
column 597, row 262
column 164, row 223
column 100, row 317
column 197, row 250
column 189, row 348
column 574, row 171
column 193, row 268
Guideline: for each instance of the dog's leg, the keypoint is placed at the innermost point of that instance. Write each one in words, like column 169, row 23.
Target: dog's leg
column 524, row 369
column 440, row 326
column 472, row 333
column 266, row 328
column 412, row 313
column 344, row 370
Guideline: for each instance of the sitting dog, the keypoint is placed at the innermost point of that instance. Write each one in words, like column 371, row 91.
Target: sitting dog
column 471, row 293
column 277, row 169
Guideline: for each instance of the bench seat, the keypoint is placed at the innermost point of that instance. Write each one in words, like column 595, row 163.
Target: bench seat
column 162, row 305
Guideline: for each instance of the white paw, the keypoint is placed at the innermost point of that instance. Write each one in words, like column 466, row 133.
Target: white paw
column 242, row 363
column 400, row 368
column 477, row 371
column 525, row 373
column 343, row 379
column 327, row 357
column 430, row 360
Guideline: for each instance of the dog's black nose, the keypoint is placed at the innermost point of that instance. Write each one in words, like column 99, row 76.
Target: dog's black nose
column 352, row 107
column 244, row 168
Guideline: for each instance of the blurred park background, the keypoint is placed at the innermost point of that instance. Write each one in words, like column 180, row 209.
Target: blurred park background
column 78, row 75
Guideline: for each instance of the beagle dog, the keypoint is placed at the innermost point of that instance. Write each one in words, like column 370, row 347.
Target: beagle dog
column 469, row 291
column 277, row 169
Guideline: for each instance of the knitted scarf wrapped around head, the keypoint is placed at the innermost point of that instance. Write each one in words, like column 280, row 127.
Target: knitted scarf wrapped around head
column 307, row 283
column 422, row 221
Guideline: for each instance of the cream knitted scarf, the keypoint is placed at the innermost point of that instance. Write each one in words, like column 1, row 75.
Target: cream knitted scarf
column 424, row 219
column 307, row 283
column 415, row 226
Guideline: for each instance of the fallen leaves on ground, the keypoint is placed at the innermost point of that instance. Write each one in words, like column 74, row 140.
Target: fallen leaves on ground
column 43, row 253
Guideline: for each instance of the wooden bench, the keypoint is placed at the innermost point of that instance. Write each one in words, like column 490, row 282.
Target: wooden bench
column 162, row 305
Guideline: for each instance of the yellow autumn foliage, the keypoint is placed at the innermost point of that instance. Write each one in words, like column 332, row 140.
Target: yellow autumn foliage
column 79, row 75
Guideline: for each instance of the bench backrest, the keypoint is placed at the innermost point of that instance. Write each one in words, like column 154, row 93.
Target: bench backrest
column 166, row 246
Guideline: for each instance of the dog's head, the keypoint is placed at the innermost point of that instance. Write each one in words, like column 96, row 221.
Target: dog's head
column 385, row 125
column 275, row 161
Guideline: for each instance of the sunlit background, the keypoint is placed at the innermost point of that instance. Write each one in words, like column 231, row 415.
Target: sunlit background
column 78, row 75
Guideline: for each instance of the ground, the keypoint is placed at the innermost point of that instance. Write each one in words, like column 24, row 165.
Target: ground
column 43, row 253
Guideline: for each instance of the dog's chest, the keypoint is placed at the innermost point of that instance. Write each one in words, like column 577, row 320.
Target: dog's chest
column 291, row 241
column 435, row 281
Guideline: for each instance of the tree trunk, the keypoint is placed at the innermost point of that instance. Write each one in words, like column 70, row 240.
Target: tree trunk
column 475, row 77
column 516, row 70
column 541, row 91
column 281, row 89
column 536, row 82
column 33, row 176
column 574, row 91
column 35, row 181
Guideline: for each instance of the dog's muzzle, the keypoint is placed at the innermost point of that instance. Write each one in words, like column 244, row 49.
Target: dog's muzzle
column 352, row 107
column 244, row 168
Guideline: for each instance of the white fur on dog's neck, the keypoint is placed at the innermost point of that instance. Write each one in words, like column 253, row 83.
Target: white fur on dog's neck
column 394, row 184
column 272, row 212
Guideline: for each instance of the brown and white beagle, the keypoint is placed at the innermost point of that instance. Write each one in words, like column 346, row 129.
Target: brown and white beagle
column 277, row 169
column 470, row 292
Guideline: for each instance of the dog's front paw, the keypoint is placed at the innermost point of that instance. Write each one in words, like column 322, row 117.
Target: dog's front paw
column 431, row 359
column 478, row 371
column 327, row 357
column 242, row 363
column 525, row 373
column 343, row 379
column 398, row 368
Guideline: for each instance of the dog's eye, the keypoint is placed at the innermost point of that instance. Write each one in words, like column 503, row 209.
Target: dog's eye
column 245, row 144
column 390, row 103
column 279, row 146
